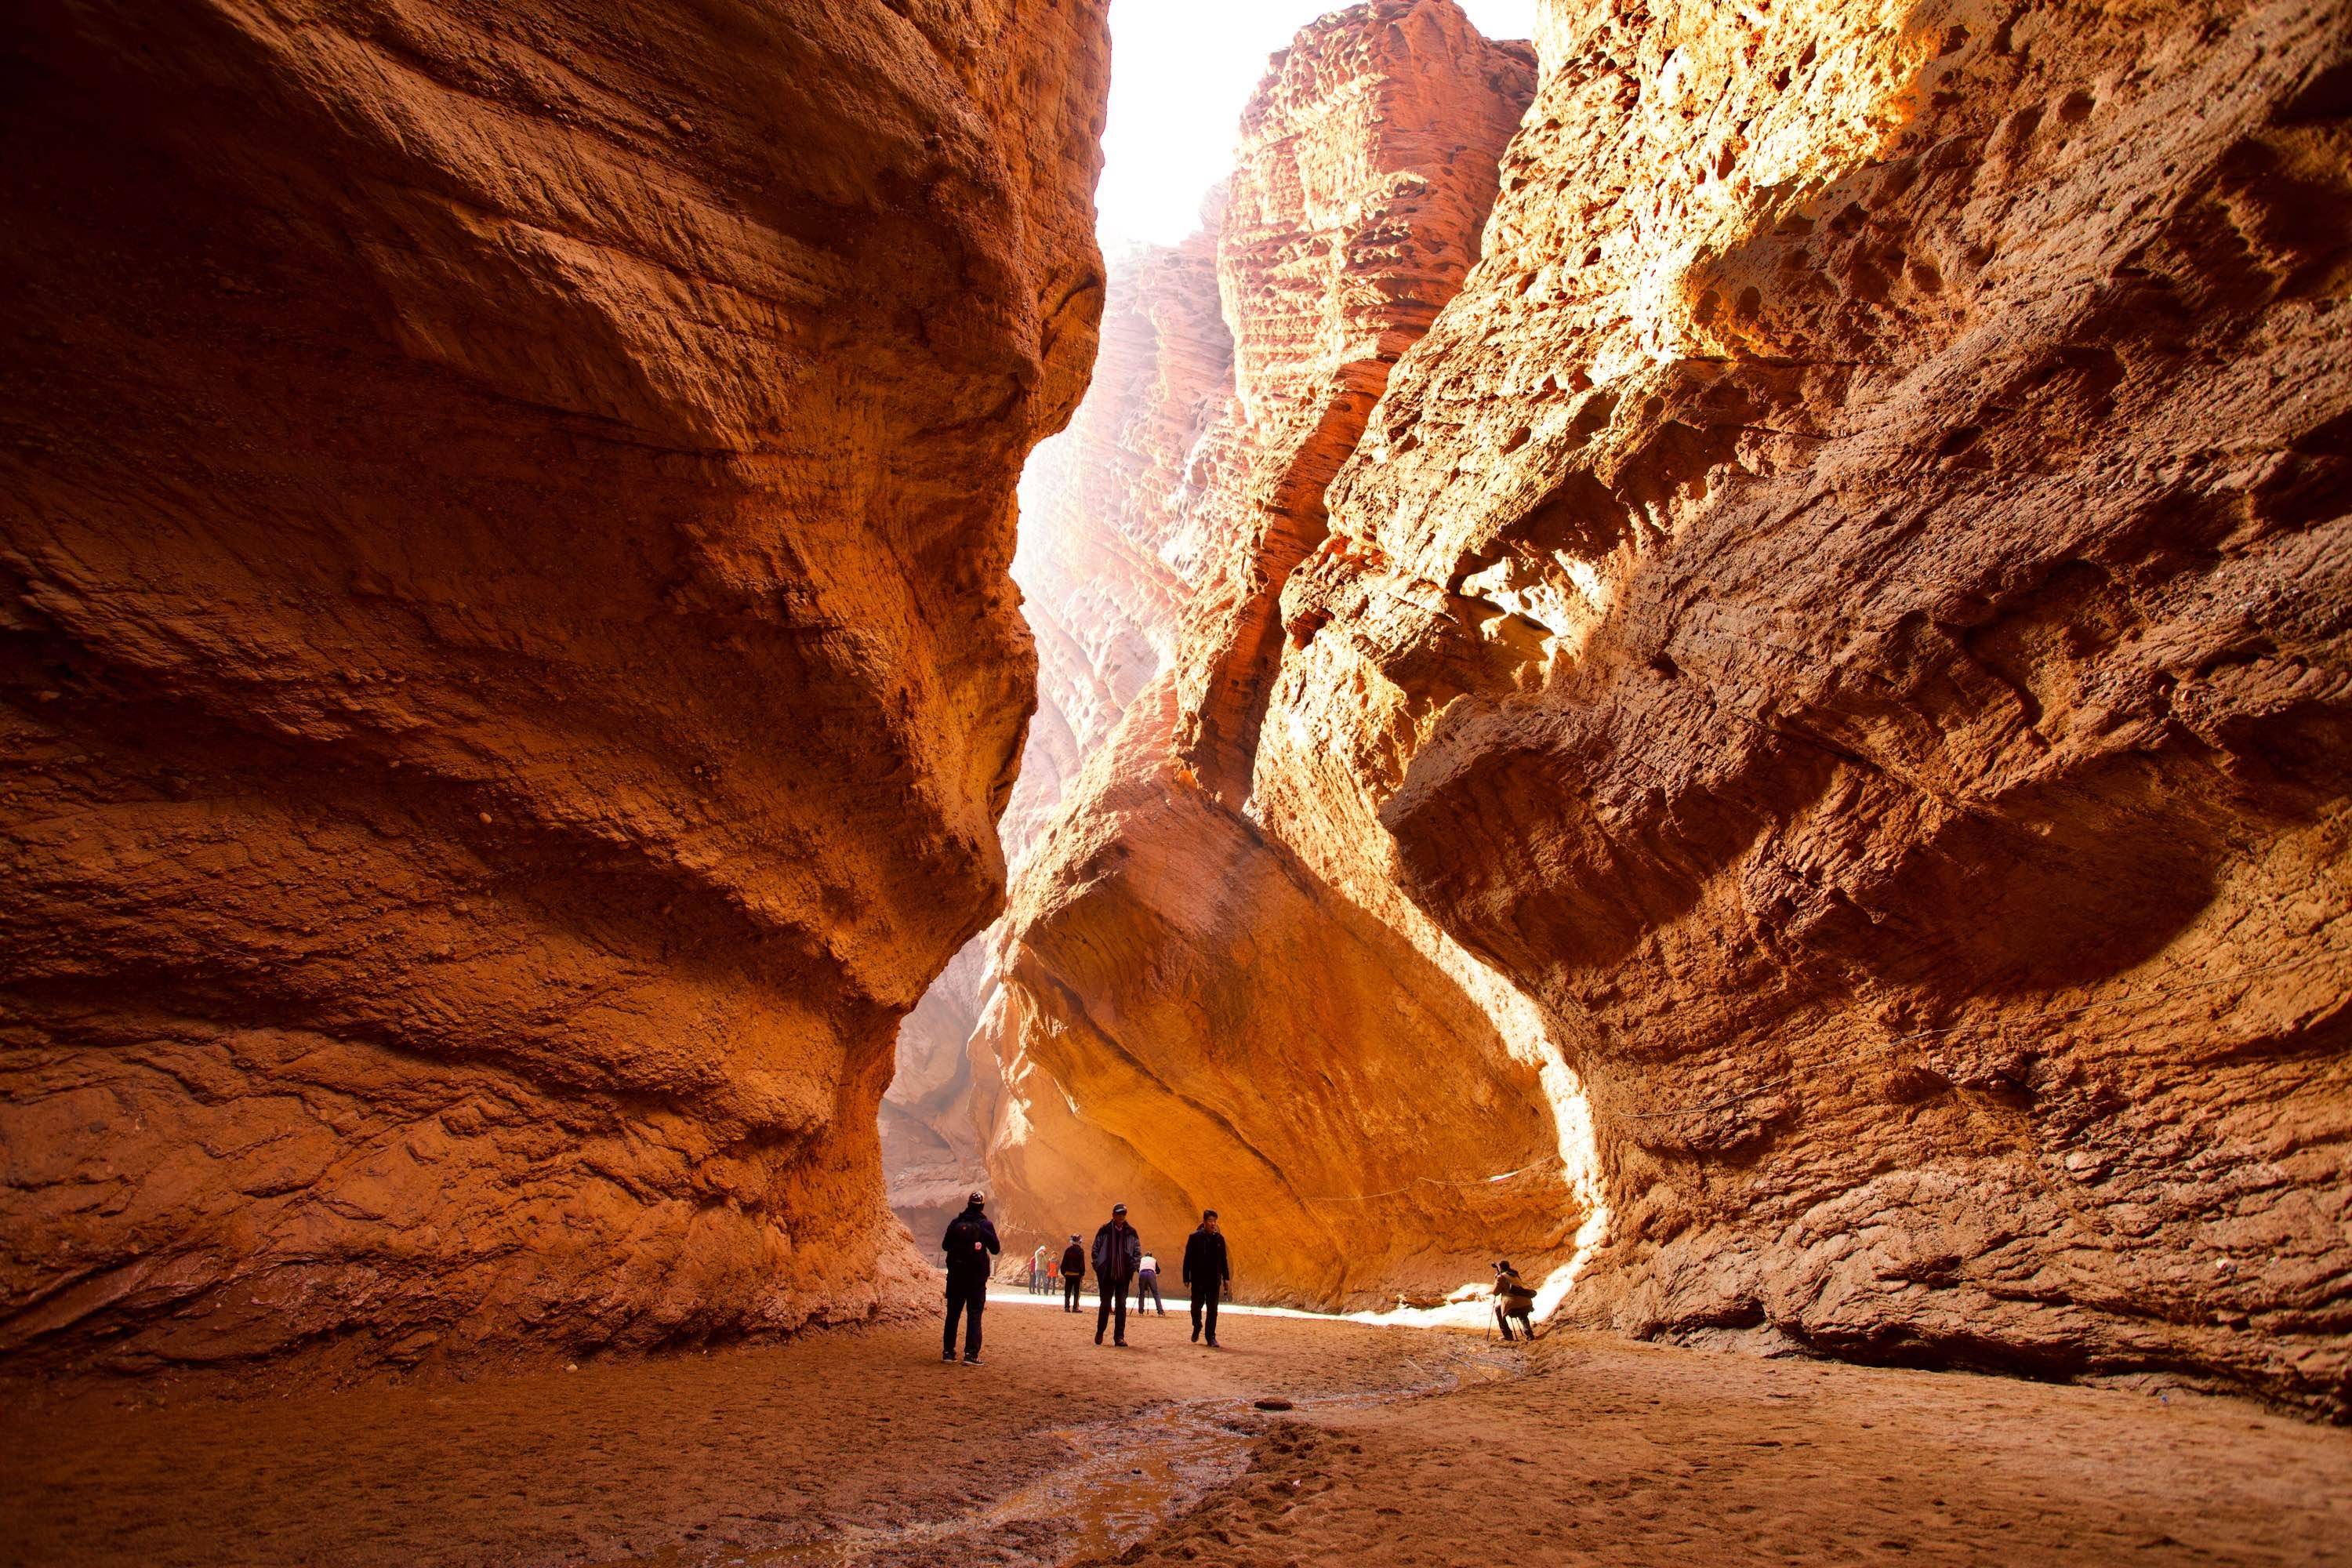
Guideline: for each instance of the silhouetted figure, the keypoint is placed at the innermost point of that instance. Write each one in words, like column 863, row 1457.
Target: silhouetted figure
column 1208, row 1269
column 1147, row 1277
column 1074, row 1270
column 1117, row 1252
column 1515, row 1301
column 969, row 1243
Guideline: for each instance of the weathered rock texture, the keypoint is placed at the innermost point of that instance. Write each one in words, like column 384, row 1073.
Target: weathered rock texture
column 1102, row 504
column 1105, row 510
column 510, row 670
column 1848, row 609
column 1187, row 1013
column 1835, row 642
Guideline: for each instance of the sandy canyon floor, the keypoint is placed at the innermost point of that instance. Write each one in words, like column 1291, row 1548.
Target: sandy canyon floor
column 1400, row 1446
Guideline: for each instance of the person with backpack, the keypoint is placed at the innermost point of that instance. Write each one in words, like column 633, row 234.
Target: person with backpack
column 1074, row 1269
column 1117, row 1252
column 1208, row 1269
column 969, row 1243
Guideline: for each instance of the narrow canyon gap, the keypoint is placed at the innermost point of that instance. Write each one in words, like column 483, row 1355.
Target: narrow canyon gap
column 1776, row 677
column 1297, row 1058
column 510, row 672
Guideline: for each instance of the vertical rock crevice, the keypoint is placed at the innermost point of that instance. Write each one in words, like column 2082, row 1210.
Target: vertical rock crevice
column 1106, row 565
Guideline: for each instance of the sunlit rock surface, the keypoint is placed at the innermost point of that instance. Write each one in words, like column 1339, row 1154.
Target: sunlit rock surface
column 1186, row 1013
column 510, row 670
column 1101, row 506
column 1104, row 504
column 1848, row 609
column 1821, row 686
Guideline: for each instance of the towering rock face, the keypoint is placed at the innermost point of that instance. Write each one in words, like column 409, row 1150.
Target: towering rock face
column 1821, row 692
column 1187, row 1014
column 510, row 672
column 1848, row 610
column 1103, row 505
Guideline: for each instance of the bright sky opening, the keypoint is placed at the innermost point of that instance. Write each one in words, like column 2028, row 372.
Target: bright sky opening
column 1181, row 72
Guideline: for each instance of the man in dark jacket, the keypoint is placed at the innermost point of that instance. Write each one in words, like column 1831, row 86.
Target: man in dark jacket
column 1208, row 1271
column 969, row 1243
column 1117, row 1252
column 1074, row 1270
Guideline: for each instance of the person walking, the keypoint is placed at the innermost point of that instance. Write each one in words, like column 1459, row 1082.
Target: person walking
column 1117, row 1250
column 1074, row 1269
column 1208, row 1269
column 1147, row 1277
column 969, row 1243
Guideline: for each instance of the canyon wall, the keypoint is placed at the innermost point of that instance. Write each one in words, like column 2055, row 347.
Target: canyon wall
column 1105, row 563
column 1829, row 656
column 1186, row 1014
column 1848, row 610
column 930, row 1140
column 510, row 669
column 1103, row 574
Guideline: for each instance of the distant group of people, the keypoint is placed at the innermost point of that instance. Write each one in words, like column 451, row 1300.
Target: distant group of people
column 1121, row 1264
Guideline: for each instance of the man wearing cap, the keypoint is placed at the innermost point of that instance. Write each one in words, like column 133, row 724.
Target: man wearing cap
column 969, row 1243
column 1208, row 1271
column 1117, row 1252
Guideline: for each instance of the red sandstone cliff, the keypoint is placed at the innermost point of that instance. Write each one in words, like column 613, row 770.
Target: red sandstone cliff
column 510, row 672
column 1848, row 610
column 1833, row 646
column 1105, row 504
column 1185, row 1014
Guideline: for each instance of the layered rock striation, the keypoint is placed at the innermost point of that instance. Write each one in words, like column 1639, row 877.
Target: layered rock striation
column 1847, row 609
column 510, row 670
column 1188, row 1013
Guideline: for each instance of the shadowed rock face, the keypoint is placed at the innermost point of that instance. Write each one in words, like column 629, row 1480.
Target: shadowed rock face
column 509, row 670
column 1848, row 608
column 1186, row 1014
